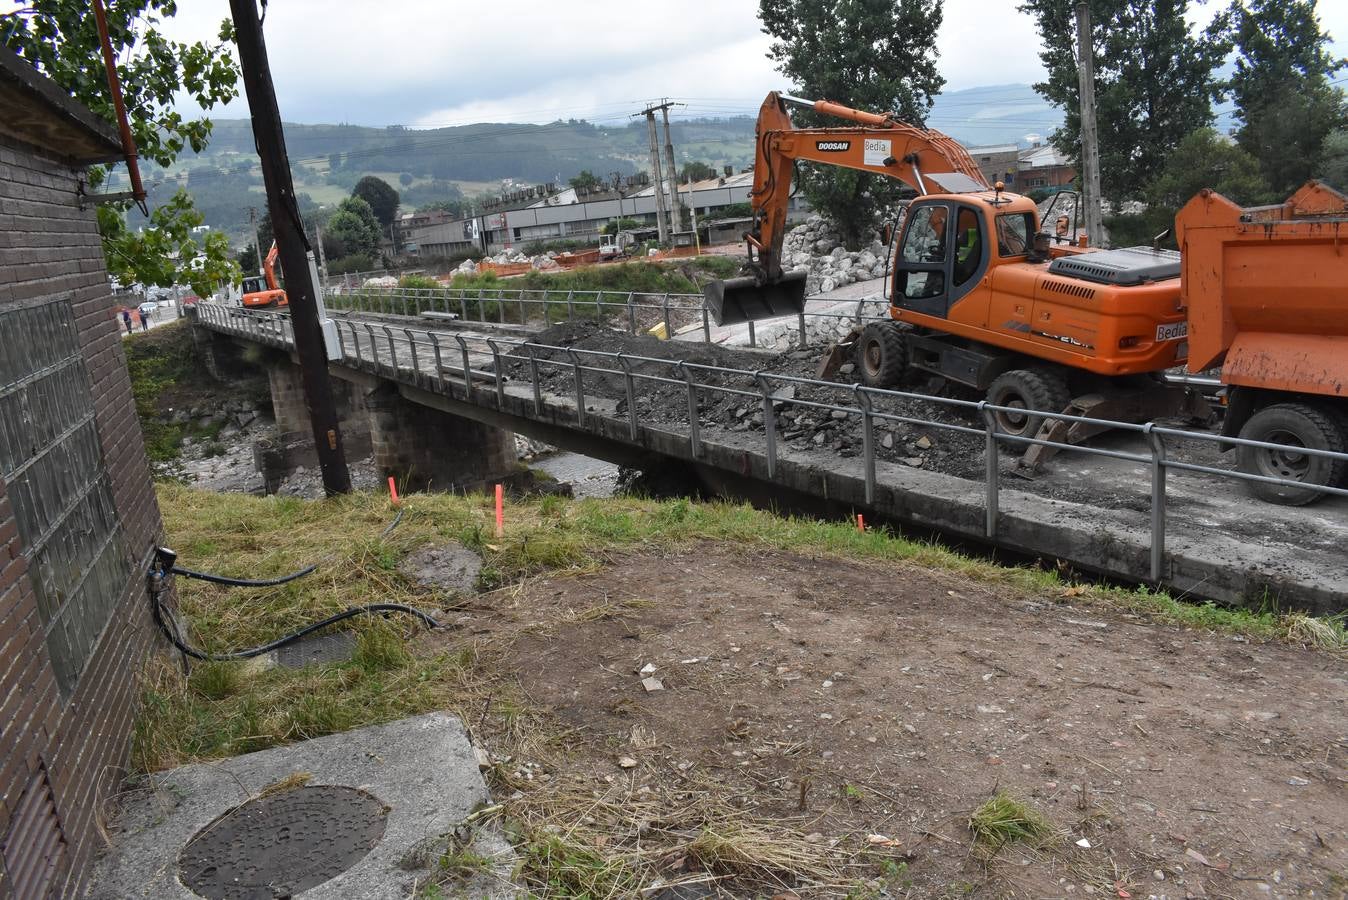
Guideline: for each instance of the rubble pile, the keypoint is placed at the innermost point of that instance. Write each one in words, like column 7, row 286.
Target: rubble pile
column 542, row 262
column 817, row 247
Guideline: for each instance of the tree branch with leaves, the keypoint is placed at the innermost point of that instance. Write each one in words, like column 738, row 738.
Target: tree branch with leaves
column 60, row 39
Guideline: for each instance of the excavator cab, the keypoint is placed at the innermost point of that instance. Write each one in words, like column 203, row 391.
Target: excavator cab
column 738, row 300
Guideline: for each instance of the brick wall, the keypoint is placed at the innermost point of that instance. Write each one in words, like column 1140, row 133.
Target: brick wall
column 49, row 247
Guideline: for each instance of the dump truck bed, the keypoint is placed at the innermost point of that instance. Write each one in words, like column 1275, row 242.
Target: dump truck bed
column 1266, row 290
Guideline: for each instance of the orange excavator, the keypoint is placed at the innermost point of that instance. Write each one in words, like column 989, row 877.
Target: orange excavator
column 264, row 291
column 982, row 297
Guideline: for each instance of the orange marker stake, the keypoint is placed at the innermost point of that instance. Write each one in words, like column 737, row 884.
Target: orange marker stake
column 861, row 523
column 500, row 510
column 393, row 492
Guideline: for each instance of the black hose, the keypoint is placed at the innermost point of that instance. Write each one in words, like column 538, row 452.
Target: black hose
column 243, row 582
column 294, row 636
column 166, row 566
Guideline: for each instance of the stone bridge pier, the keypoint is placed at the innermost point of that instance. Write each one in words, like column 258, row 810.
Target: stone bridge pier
column 430, row 449
column 423, row 448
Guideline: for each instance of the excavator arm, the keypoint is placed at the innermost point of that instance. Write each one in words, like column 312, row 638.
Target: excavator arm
column 927, row 161
column 269, row 267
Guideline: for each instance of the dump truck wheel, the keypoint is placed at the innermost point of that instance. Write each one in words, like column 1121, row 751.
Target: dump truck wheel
column 1297, row 425
column 1027, row 391
column 881, row 355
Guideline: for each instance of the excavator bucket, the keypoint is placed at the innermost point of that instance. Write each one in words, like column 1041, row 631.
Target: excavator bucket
column 737, row 300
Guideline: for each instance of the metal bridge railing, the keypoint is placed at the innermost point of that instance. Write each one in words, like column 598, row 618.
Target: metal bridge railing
column 631, row 310
column 445, row 362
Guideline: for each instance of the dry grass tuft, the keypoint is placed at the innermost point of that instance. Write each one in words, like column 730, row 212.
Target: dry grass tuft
column 1004, row 819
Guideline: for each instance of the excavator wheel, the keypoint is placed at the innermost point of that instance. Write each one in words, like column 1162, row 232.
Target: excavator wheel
column 1027, row 391
column 1298, row 425
column 881, row 355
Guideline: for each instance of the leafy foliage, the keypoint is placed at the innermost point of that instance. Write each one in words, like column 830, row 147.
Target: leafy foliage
column 353, row 228
column 1281, row 88
column 697, row 171
column 1203, row 159
column 380, row 196
column 60, row 38
column 1334, row 160
column 585, row 180
column 871, row 54
column 1153, row 82
column 154, row 255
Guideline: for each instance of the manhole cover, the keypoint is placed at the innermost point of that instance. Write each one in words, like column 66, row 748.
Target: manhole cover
column 280, row 845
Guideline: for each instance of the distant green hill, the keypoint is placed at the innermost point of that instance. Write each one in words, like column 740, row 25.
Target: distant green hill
column 450, row 163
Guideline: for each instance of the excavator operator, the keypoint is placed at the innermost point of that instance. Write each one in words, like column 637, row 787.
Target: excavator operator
column 969, row 250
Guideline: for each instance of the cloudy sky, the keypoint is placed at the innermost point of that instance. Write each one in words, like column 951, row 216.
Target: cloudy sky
column 443, row 62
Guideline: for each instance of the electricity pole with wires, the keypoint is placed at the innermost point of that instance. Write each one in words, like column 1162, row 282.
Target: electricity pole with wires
column 292, row 246
column 1090, row 146
column 660, row 225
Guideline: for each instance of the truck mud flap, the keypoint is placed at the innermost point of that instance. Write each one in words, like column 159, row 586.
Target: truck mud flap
column 738, row 300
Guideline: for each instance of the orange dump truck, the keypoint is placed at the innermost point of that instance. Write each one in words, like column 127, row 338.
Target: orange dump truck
column 1266, row 294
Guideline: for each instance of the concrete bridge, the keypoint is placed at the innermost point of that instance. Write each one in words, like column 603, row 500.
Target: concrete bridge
column 440, row 380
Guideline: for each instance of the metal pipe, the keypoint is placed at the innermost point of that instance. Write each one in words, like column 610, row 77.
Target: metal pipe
column 115, row 89
column 1157, row 443
column 992, row 475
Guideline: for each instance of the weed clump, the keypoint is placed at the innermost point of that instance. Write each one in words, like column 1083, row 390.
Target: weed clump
column 1004, row 819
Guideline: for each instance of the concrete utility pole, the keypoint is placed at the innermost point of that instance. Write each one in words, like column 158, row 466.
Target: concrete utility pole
column 655, row 176
column 675, row 213
column 292, row 245
column 1090, row 148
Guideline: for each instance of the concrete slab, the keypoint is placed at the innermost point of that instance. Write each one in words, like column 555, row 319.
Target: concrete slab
column 422, row 769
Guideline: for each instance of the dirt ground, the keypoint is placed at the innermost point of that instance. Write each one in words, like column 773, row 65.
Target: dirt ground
column 849, row 700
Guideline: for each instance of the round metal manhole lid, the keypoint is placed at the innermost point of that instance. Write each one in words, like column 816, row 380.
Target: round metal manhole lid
column 280, row 845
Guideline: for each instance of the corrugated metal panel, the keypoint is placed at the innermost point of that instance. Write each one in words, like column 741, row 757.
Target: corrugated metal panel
column 52, row 463
column 35, row 847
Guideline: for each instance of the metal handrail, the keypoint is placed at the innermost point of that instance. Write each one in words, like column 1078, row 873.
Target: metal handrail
column 267, row 327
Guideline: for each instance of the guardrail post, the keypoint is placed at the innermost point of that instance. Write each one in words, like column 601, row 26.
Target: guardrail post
column 500, row 307
column 463, row 306
column 752, row 341
column 500, row 376
column 481, row 305
column 867, row 440
column 467, row 375
column 392, row 350
column 1158, row 473
column 341, row 344
column 522, row 307
column 374, row 347
column 533, row 376
column 580, row 385
column 631, row 395
column 439, row 359
column 355, row 339
column 416, row 364
column 992, row 473
column 694, row 433
column 769, row 422
column 801, row 316
column 570, row 305
column 631, row 314
column 669, row 331
column 706, row 323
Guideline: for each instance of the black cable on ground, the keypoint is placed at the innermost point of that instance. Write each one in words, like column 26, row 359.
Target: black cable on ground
column 242, row 582
column 166, row 560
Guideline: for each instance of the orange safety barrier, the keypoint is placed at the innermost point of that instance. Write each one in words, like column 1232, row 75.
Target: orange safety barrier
column 504, row 270
column 571, row 260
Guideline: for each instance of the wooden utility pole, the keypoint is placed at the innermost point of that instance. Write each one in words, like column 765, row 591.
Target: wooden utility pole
column 292, row 245
column 655, row 175
column 1090, row 147
column 675, row 213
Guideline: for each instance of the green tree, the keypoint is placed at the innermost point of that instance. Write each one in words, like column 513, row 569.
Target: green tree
column 380, row 196
column 334, row 161
column 247, row 259
column 585, row 180
column 60, row 38
column 164, row 252
column 1281, row 88
column 1203, row 159
column 697, row 171
column 1153, row 82
column 1334, row 160
column 871, row 54
column 354, row 229
column 405, row 179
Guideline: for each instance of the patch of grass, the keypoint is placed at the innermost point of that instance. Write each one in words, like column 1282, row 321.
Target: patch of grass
column 1004, row 819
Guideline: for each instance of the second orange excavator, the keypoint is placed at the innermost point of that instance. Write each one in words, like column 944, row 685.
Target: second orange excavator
column 264, row 291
